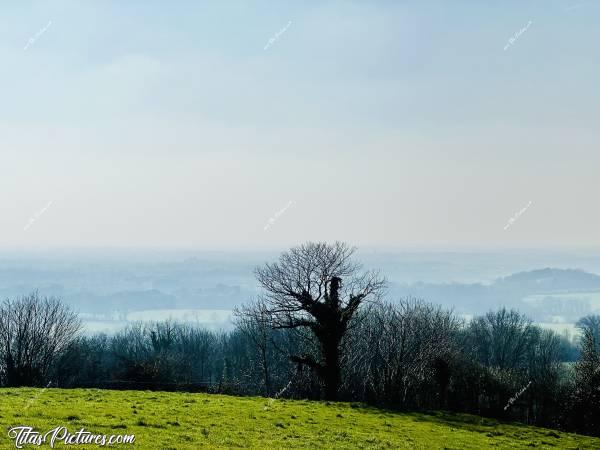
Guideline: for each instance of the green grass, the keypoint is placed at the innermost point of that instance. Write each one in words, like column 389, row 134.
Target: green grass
column 161, row 420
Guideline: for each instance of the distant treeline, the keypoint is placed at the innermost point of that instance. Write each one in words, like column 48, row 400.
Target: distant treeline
column 321, row 338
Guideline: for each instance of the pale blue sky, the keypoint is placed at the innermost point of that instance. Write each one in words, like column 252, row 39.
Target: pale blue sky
column 152, row 123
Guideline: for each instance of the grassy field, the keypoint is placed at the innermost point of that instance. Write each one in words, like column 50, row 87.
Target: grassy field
column 162, row 420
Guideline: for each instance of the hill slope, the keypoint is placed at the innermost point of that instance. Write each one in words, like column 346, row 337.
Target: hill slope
column 186, row 421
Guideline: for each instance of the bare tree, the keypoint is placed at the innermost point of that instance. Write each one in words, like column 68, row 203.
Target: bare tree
column 146, row 352
column 592, row 324
column 500, row 339
column 401, row 353
column 197, row 347
column 34, row 331
column 316, row 287
column 586, row 395
column 255, row 324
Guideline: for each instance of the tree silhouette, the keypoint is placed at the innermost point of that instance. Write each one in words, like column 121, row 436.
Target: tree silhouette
column 316, row 287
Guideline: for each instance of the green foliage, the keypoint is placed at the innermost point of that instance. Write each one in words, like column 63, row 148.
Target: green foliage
column 192, row 421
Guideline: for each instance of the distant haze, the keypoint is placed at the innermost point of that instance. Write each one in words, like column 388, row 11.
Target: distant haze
column 168, row 124
column 112, row 289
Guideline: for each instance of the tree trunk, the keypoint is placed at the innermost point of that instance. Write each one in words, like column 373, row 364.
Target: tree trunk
column 265, row 364
column 332, row 376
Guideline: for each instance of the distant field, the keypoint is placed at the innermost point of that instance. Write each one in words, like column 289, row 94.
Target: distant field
column 211, row 319
column 592, row 298
column 188, row 421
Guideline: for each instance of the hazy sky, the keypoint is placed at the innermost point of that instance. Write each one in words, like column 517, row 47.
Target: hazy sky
column 168, row 124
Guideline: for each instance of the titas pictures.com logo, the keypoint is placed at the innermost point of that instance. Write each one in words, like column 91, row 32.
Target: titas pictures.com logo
column 28, row 436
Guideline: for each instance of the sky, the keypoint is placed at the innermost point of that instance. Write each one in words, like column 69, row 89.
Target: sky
column 240, row 124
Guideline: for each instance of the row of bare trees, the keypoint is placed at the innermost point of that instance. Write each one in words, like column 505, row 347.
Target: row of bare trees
column 400, row 354
column 414, row 355
column 320, row 329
